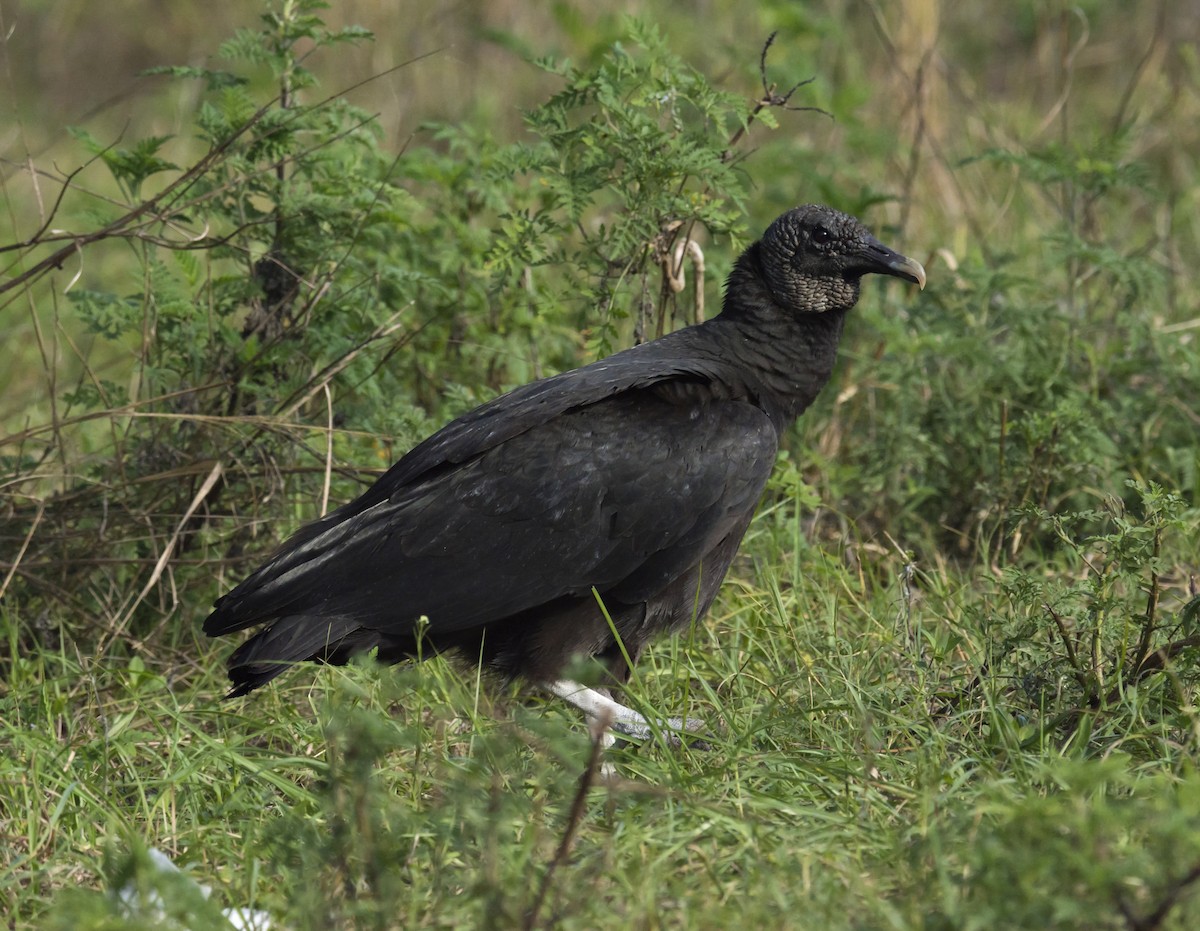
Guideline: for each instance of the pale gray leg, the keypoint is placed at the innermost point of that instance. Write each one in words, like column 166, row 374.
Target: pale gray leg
column 601, row 707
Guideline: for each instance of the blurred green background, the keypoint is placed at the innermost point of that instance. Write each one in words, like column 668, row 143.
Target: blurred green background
column 918, row 91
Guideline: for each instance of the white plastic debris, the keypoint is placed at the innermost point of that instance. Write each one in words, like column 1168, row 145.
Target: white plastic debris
column 244, row 919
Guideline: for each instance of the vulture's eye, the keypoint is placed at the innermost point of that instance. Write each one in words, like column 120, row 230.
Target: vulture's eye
column 821, row 235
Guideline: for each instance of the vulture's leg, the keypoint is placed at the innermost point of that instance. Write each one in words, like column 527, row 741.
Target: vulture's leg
column 598, row 705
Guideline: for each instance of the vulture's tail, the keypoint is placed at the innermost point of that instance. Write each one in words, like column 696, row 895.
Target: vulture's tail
column 292, row 640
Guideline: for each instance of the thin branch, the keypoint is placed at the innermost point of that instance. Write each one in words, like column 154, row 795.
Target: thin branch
column 328, row 448
column 302, row 395
column 574, row 819
column 1160, row 28
column 1143, row 648
column 180, row 184
column 1072, row 655
column 769, row 99
column 213, row 476
column 36, row 239
column 130, row 410
column 12, row 569
column 1156, row 918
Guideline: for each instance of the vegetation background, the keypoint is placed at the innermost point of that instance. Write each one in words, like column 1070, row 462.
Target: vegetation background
column 952, row 680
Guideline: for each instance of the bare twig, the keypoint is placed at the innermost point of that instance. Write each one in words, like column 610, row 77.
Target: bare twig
column 158, row 210
column 1148, row 621
column 328, row 448
column 149, row 207
column 130, row 410
column 213, row 476
column 1156, row 42
column 36, row 238
column 1067, row 63
column 12, row 569
column 1155, row 661
column 1072, row 656
column 769, row 99
column 1156, row 918
column 574, row 819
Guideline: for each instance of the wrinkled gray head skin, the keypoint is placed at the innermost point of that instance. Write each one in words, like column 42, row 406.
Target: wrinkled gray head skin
column 814, row 257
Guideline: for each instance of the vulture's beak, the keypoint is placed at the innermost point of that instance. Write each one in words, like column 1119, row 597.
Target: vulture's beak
column 884, row 261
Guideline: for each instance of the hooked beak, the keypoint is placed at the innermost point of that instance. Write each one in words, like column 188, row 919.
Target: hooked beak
column 883, row 261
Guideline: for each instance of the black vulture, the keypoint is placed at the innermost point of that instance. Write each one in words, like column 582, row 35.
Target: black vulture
column 622, row 488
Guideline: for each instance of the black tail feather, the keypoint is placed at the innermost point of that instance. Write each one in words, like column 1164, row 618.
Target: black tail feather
column 292, row 640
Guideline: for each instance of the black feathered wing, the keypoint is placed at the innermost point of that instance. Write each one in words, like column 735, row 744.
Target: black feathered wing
column 623, row 496
column 312, row 556
column 275, row 587
column 594, row 479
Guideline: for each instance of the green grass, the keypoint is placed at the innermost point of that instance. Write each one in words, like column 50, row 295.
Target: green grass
column 952, row 679
column 853, row 778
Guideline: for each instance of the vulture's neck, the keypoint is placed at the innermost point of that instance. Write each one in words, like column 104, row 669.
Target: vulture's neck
column 785, row 356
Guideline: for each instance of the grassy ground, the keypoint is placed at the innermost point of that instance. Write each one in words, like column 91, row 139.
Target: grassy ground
column 951, row 681
column 854, row 778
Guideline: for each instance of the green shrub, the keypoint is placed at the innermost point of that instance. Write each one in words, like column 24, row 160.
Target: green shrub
column 305, row 299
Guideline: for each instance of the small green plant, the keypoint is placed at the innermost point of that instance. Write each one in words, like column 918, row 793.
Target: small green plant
column 1099, row 848
column 247, row 303
column 1045, row 369
column 1101, row 631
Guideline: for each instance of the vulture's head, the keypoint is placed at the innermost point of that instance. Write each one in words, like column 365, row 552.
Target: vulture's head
column 813, row 258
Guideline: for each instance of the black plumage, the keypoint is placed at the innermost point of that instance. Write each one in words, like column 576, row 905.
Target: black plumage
column 635, row 476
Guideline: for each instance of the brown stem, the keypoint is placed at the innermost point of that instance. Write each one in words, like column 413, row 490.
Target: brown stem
column 574, row 819
column 1072, row 657
column 1156, row 918
column 1143, row 648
